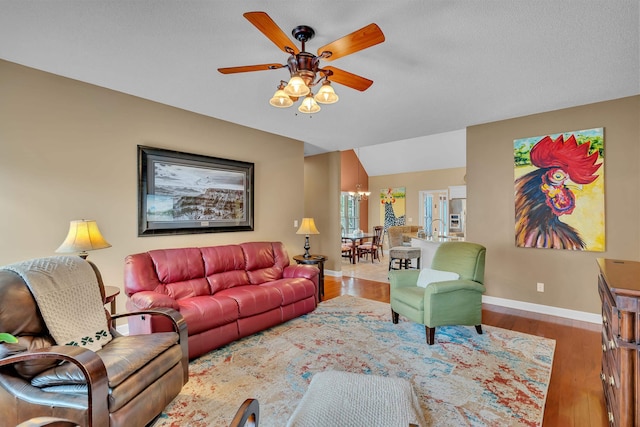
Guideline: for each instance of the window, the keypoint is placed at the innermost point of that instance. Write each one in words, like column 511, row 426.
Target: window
column 434, row 211
column 349, row 213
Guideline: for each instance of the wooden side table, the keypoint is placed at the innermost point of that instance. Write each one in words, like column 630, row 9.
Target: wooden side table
column 110, row 294
column 315, row 260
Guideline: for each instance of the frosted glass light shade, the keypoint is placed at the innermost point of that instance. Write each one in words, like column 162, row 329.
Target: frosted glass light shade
column 326, row 94
column 281, row 100
column 83, row 236
column 296, row 87
column 309, row 105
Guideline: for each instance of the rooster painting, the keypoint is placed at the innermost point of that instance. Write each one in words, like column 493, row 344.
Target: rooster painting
column 544, row 195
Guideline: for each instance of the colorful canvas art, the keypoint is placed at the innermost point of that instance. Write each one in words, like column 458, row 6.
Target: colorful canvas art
column 559, row 191
column 392, row 206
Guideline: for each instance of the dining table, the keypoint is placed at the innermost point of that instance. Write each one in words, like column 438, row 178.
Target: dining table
column 356, row 239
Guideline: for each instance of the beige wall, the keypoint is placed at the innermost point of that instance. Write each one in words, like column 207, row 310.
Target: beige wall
column 322, row 202
column 69, row 152
column 570, row 278
column 414, row 182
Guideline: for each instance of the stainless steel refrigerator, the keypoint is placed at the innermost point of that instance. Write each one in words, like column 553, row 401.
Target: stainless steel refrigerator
column 457, row 217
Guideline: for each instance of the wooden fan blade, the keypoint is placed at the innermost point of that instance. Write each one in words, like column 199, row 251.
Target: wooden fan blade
column 269, row 28
column 247, row 68
column 349, row 79
column 358, row 40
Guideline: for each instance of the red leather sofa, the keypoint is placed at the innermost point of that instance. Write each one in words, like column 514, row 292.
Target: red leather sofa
column 223, row 292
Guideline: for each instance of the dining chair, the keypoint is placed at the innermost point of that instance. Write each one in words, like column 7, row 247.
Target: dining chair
column 373, row 247
column 347, row 249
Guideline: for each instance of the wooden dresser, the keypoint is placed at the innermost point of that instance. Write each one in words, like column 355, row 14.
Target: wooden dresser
column 619, row 289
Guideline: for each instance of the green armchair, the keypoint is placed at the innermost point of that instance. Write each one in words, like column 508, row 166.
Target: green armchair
column 442, row 303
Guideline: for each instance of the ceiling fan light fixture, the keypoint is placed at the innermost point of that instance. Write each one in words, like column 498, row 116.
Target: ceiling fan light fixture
column 326, row 94
column 304, row 66
column 296, row 87
column 280, row 99
column 309, row 105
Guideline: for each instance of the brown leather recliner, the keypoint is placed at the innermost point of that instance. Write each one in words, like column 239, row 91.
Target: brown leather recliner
column 126, row 383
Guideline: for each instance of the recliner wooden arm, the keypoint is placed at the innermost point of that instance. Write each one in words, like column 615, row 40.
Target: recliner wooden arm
column 48, row 422
column 92, row 369
column 248, row 414
column 179, row 326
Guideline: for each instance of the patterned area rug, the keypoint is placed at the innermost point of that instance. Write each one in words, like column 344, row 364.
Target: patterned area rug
column 378, row 270
column 499, row 378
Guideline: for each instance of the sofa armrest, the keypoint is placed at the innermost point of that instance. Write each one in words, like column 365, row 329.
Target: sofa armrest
column 403, row 278
column 146, row 300
column 92, row 369
column 454, row 285
column 301, row 270
column 179, row 326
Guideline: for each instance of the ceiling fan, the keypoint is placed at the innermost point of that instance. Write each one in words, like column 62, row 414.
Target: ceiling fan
column 304, row 67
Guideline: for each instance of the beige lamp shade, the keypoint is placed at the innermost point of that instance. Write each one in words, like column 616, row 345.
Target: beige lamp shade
column 84, row 235
column 308, row 226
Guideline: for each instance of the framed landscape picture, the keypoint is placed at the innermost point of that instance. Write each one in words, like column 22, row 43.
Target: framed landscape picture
column 183, row 193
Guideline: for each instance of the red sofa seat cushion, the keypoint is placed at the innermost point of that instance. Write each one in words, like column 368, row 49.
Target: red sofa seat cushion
column 292, row 290
column 252, row 299
column 207, row 312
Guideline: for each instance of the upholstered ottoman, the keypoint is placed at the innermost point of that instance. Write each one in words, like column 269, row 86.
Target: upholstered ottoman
column 336, row 398
column 404, row 254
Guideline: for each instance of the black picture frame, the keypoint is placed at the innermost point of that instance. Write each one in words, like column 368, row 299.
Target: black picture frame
column 185, row 193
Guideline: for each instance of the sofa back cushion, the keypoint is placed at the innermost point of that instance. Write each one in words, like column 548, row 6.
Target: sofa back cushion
column 265, row 261
column 178, row 273
column 224, row 267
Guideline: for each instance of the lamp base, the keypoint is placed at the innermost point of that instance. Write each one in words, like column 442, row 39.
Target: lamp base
column 306, row 247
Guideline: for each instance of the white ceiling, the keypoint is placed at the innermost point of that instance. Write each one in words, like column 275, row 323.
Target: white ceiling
column 445, row 64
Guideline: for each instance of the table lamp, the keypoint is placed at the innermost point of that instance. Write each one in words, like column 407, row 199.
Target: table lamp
column 84, row 235
column 307, row 227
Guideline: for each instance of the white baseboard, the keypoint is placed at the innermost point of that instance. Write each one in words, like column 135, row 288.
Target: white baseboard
column 526, row 306
column 544, row 309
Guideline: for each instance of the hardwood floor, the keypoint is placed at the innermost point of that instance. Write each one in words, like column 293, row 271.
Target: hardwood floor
column 575, row 397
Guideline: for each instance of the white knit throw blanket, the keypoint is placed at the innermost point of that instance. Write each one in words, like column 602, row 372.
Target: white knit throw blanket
column 68, row 296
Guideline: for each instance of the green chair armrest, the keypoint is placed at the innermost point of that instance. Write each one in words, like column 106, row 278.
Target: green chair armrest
column 454, row 285
column 403, row 278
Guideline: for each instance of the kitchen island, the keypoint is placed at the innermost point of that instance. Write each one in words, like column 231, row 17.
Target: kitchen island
column 429, row 245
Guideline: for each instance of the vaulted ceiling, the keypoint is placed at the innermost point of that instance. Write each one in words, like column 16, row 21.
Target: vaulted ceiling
column 444, row 64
